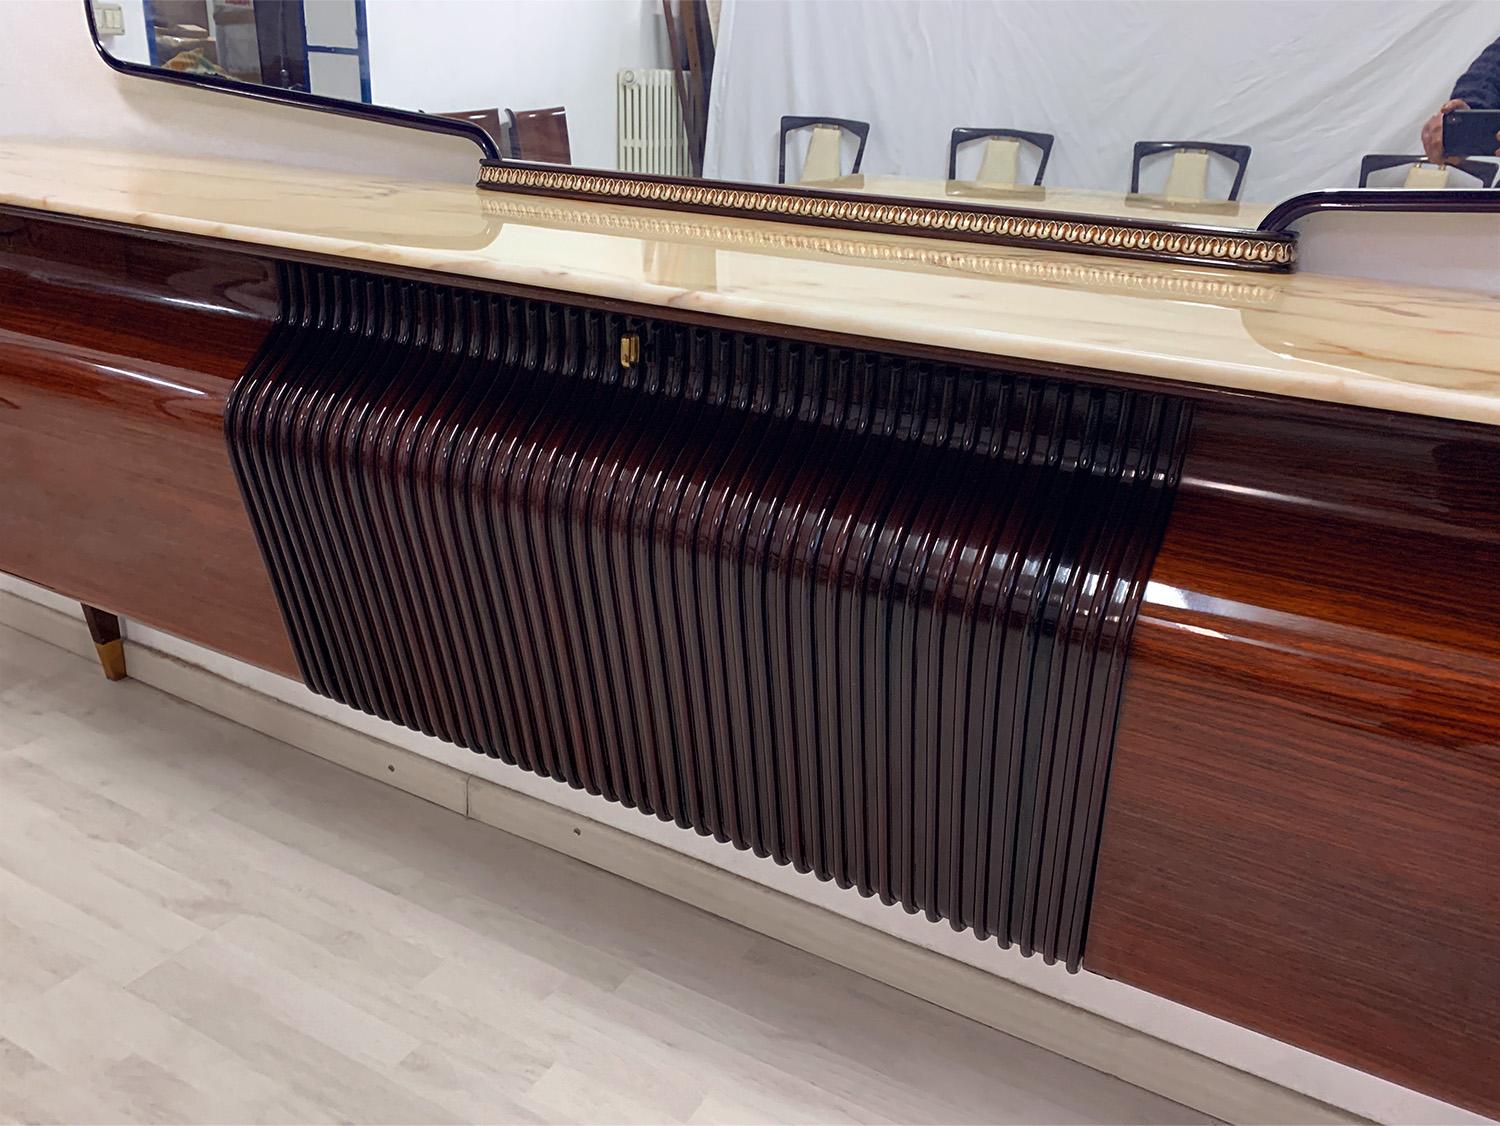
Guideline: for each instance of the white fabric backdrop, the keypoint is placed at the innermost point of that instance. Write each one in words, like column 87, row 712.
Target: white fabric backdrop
column 1311, row 84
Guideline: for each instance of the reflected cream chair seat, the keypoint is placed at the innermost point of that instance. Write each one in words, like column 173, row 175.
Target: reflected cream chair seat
column 1000, row 159
column 1423, row 174
column 1187, row 178
column 824, row 159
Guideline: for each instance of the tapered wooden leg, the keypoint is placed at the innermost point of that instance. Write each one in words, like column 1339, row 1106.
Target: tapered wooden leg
column 104, row 628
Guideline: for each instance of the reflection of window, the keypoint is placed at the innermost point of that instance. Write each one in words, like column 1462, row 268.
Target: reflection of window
column 338, row 54
column 314, row 45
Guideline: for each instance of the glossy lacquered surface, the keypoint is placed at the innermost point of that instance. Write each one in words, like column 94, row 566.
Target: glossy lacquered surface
column 863, row 615
column 1332, row 340
column 1301, row 827
column 1298, row 824
column 116, row 357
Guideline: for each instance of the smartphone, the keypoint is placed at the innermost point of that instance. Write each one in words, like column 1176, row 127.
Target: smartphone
column 1471, row 132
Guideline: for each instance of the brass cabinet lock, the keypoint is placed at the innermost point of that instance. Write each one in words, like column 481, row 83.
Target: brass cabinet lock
column 630, row 350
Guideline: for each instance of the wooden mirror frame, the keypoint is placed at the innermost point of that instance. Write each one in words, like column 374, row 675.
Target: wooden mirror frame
column 1269, row 248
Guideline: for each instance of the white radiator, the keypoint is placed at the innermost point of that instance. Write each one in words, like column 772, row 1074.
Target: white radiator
column 652, row 137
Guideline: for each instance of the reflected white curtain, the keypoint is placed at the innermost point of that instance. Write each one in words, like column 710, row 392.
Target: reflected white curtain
column 1312, row 85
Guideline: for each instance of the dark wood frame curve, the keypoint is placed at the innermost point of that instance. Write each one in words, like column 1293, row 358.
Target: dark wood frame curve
column 1280, row 218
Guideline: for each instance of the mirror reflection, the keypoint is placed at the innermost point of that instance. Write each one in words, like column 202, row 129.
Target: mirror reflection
column 1201, row 113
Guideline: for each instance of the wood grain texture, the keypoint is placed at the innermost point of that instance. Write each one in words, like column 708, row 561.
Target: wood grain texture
column 117, row 354
column 539, row 135
column 1300, row 830
column 863, row 616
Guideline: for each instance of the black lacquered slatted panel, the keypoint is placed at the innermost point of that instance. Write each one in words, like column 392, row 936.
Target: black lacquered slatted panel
column 861, row 614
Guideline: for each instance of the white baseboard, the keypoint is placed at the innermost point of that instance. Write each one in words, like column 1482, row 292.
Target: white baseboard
column 1176, row 1072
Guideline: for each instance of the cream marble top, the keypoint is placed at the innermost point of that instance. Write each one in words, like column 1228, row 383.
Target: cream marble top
column 1420, row 351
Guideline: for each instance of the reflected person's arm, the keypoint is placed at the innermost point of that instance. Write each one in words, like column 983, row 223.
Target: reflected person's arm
column 1477, row 88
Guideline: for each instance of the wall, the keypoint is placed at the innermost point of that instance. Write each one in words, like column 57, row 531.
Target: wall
column 133, row 46
column 54, row 85
column 1312, row 85
column 442, row 55
column 1418, row 248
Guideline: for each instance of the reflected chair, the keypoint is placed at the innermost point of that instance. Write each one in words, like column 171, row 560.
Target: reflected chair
column 1187, row 178
column 1422, row 174
column 1000, row 159
column 538, row 134
column 824, row 160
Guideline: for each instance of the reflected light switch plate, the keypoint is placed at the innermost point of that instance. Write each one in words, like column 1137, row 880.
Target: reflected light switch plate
column 109, row 19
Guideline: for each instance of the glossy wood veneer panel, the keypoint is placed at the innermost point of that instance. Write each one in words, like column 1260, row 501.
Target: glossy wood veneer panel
column 117, row 354
column 1308, row 742
column 1301, row 830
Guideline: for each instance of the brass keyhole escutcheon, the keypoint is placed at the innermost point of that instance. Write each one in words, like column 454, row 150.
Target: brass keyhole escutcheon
column 630, row 350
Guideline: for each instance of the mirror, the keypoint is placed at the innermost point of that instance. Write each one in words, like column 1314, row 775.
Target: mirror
column 1203, row 115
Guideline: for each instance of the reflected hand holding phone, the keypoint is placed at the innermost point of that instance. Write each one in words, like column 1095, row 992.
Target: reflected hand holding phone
column 1471, row 132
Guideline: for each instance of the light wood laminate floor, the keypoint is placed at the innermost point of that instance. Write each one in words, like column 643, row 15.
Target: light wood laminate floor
column 198, row 923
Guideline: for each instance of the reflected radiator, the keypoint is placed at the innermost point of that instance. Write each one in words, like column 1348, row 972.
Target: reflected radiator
column 649, row 123
column 863, row 615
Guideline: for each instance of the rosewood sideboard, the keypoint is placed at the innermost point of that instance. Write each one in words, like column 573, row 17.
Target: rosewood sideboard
column 1145, row 618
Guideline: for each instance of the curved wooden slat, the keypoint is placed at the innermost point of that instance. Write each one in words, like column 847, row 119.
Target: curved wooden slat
column 860, row 614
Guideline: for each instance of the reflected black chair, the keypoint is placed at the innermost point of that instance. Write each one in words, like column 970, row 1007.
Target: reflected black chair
column 1188, row 176
column 994, row 139
column 1422, row 174
column 538, row 134
column 824, row 157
